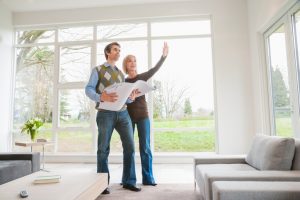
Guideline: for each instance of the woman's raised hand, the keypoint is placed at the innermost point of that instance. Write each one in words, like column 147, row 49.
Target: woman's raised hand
column 165, row 50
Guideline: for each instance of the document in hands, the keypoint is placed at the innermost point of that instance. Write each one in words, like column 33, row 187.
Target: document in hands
column 123, row 90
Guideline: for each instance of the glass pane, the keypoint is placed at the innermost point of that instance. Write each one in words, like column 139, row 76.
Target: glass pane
column 34, row 85
column 35, row 36
column 74, row 108
column 75, row 64
column 297, row 36
column 280, row 84
column 121, row 31
column 137, row 48
column 183, row 103
column 74, row 142
column 75, row 34
column 180, row 28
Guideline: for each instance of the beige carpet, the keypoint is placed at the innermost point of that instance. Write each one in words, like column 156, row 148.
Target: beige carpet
column 159, row 192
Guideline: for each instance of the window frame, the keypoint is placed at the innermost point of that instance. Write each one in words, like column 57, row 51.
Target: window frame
column 93, row 44
column 287, row 20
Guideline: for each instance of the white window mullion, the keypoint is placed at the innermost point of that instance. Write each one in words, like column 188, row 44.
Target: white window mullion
column 92, row 104
column 76, row 43
column 55, row 92
column 150, row 96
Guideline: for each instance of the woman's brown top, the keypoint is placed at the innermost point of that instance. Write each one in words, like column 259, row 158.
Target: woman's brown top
column 138, row 109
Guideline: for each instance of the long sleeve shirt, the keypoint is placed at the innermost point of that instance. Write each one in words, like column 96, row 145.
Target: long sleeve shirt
column 90, row 89
column 138, row 109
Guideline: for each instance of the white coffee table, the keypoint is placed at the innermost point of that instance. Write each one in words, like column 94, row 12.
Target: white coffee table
column 79, row 185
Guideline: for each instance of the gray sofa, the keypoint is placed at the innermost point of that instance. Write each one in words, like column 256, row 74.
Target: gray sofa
column 264, row 190
column 271, row 159
column 16, row 165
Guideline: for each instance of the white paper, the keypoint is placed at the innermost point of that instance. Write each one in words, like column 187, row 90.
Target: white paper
column 123, row 90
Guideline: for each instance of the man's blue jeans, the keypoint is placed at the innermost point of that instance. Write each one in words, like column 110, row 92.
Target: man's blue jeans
column 143, row 127
column 107, row 121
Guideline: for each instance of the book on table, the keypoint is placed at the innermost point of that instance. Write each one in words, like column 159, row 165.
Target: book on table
column 47, row 179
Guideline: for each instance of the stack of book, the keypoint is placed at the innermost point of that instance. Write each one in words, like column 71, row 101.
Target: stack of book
column 47, row 179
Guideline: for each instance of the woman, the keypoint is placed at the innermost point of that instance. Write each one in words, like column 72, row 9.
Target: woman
column 139, row 113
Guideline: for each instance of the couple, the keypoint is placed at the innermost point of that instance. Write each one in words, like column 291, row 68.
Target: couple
column 123, row 121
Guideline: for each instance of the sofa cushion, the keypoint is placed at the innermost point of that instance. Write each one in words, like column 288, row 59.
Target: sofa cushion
column 296, row 160
column 249, row 190
column 202, row 169
column 254, row 175
column 271, row 153
column 12, row 169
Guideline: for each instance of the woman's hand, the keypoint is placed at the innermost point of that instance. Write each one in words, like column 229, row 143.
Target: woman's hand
column 165, row 50
column 134, row 94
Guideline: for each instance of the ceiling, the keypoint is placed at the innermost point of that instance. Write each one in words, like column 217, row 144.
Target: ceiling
column 38, row 5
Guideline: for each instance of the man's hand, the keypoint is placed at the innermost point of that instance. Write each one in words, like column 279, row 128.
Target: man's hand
column 111, row 97
column 134, row 94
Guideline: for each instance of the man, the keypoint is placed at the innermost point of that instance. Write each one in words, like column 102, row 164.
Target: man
column 101, row 77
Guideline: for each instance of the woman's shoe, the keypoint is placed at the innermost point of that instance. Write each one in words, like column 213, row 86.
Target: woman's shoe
column 106, row 191
column 153, row 184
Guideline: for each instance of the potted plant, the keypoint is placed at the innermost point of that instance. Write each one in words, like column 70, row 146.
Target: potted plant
column 32, row 126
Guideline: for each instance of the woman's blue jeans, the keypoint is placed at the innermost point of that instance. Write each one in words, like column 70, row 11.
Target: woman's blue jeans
column 143, row 127
column 107, row 121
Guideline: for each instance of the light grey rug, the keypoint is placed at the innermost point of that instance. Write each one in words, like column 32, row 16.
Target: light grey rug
column 159, row 192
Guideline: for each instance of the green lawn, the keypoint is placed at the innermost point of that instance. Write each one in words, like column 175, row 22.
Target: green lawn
column 193, row 141
column 284, row 127
column 178, row 140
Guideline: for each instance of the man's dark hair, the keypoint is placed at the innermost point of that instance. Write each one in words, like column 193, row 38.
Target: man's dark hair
column 108, row 47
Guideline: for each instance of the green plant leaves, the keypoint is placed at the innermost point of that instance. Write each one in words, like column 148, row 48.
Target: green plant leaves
column 32, row 126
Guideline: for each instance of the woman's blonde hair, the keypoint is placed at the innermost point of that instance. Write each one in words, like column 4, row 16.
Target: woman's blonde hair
column 125, row 60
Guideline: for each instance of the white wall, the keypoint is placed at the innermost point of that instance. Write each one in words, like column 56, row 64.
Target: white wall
column 261, row 15
column 5, row 75
column 231, row 55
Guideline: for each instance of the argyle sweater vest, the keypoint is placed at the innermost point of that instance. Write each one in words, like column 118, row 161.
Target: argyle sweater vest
column 106, row 77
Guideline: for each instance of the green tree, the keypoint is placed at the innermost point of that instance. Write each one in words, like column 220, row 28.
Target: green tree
column 34, row 70
column 27, row 37
column 63, row 107
column 280, row 91
column 187, row 107
column 33, row 81
column 168, row 98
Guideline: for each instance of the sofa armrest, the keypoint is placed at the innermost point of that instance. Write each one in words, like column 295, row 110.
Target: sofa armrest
column 34, row 157
column 256, row 175
column 220, row 159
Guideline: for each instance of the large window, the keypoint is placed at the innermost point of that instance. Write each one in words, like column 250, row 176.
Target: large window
column 53, row 67
column 282, row 50
column 183, row 108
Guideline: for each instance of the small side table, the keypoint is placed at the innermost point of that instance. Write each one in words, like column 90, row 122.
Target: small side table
column 31, row 144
